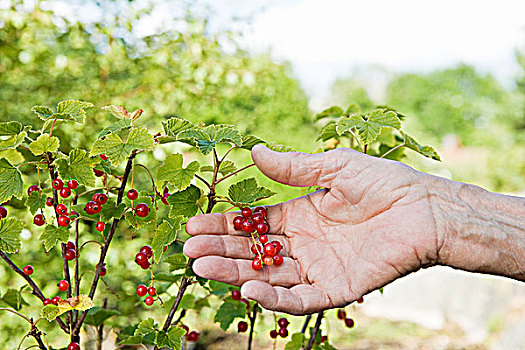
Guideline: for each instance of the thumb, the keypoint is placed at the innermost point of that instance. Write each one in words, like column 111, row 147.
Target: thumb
column 296, row 168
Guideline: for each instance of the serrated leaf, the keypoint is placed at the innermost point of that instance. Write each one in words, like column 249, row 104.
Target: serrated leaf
column 327, row 132
column 176, row 261
column 226, row 167
column 278, row 147
column 427, row 151
column 167, row 277
column 12, row 156
column 173, row 126
column 184, row 202
column 247, row 192
column 52, row 235
column 353, row 109
column 110, row 210
column 118, row 150
column 49, row 312
column 10, row 181
column 173, row 172
column 10, row 128
column 138, row 222
column 333, row 111
column 13, row 141
column 369, row 127
column 80, row 303
column 218, row 288
column 248, row 141
column 35, row 201
column 346, row 123
column 133, row 340
column 228, row 311
column 117, row 111
column 13, row 298
column 10, row 230
column 165, row 235
column 115, row 127
column 97, row 315
column 74, row 108
column 296, row 342
column 43, row 112
column 44, row 143
column 171, row 338
column 208, row 137
column 146, row 327
column 77, row 166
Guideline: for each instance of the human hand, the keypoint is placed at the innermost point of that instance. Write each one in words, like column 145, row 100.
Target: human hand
column 372, row 223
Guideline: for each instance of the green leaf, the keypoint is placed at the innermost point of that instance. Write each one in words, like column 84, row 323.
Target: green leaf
column 13, row 141
column 328, row 132
column 43, row 112
column 117, row 111
column 115, row 127
column 219, row 288
column 247, row 192
column 118, row 150
column 353, row 109
column 133, row 340
column 13, row 298
column 165, row 235
column 77, row 166
column 10, row 181
column 226, row 167
column 279, row 148
column 329, row 112
column 35, row 201
column 138, row 222
column 369, row 126
column 296, row 342
column 346, row 123
column 12, row 156
column 228, row 311
column 173, row 126
column 110, row 210
column 52, row 235
column 187, row 301
column 173, row 172
column 427, row 151
column 176, row 261
column 208, row 137
column 184, row 202
column 97, row 315
column 50, row 312
column 10, row 230
column 248, row 141
column 72, row 110
column 171, row 338
column 146, row 327
column 44, row 144
column 11, row 128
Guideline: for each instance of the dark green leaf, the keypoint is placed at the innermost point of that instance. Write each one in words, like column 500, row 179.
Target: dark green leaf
column 10, row 230
column 165, row 235
column 13, row 298
column 10, row 128
column 171, row 338
column 10, row 181
column 97, row 315
column 226, row 167
column 173, row 172
column 427, row 151
column 228, row 311
column 184, row 202
column 247, row 192
column 328, row 132
column 52, row 235
column 248, row 141
column 176, row 261
column 173, row 126
column 146, row 327
column 329, row 112
column 35, row 201
column 296, row 342
column 77, row 166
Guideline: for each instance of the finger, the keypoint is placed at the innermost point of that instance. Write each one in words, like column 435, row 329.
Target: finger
column 237, row 271
column 300, row 169
column 222, row 224
column 227, row 246
column 299, row 300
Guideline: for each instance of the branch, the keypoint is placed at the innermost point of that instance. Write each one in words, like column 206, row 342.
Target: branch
column 203, row 180
column 315, row 330
column 252, row 324
column 234, row 173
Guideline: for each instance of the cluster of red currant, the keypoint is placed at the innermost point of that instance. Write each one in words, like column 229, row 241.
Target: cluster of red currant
column 236, row 295
column 192, row 336
column 349, row 322
column 53, row 301
column 94, row 206
column 254, row 222
column 283, row 331
column 65, row 192
column 141, row 209
column 142, row 290
column 143, row 256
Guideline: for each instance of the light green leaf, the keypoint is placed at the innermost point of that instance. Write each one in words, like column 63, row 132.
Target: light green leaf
column 208, row 137
column 173, row 172
column 173, row 126
column 171, row 338
column 279, row 148
column 10, row 230
column 184, row 202
column 165, row 235
column 43, row 112
column 10, row 128
column 328, row 132
column 176, row 261
column 118, row 150
column 329, row 112
column 35, row 201
column 133, row 340
column 226, row 167
column 369, row 127
column 97, row 315
column 427, row 151
column 248, row 141
column 44, row 143
column 75, row 108
column 247, row 192
column 115, row 127
column 80, row 303
column 187, row 302
column 77, row 166
column 146, row 327
column 50, row 312
column 353, row 109
column 10, row 181
column 117, row 111
column 346, row 123
column 228, row 311
column 13, row 141
column 52, row 235
column 296, row 342
column 12, row 156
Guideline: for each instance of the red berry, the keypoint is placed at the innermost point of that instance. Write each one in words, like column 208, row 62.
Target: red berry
column 283, row 322
column 269, row 249
column 70, row 245
column 142, row 210
column 152, row 291
column 273, row 334
column 89, row 207
column 256, row 264
column 32, row 189
column 141, row 258
column 256, row 249
column 100, row 198
column 103, row 270
column 145, row 266
column 258, row 218
column 49, row 201
column 46, row 301
column 3, row 212
column 149, row 301
column 278, row 260
column 283, row 332
column 246, row 212
column 141, row 290
column 324, row 338
column 262, row 228
column 73, row 346
column 263, row 239
column 70, row 254
column 192, row 336
column 237, row 222
column 28, row 270
column 268, row 260
column 360, row 300
column 96, row 208
column 146, row 249
column 242, row 327
column 57, row 184
column 262, row 210
column 341, row 314
column 349, row 322
column 248, row 225
column 133, row 194
column 103, row 157
column 63, row 285
column 61, row 209
column 236, row 294
column 98, row 173
column 72, row 184
column 39, row 219
column 55, row 300
column 100, row 226
column 63, row 221
column 164, row 198
column 278, row 246
column 65, row 192
column 246, row 302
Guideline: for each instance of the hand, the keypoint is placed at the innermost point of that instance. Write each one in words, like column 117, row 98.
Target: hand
column 371, row 223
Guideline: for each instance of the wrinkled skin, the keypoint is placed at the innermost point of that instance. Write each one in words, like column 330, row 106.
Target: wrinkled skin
column 371, row 223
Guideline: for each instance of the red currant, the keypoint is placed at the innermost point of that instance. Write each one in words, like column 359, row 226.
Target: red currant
column 349, row 322
column 269, row 249
column 324, row 338
column 142, row 210
column 152, row 291
column 61, row 209
column 103, row 270
column 63, row 221
column 256, row 249
column 268, row 260
column 96, row 208
column 32, row 189
column 258, row 218
column 283, row 332
column 3, row 212
column 70, row 254
column 256, row 264
column 278, row 260
column 103, row 157
column 341, row 314
column 263, row 239
column 46, row 301
column 147, row 250
column 360, row 300
column 236, row 294
column 28, row 270
column 39, row 219
column 141, row 258
column 65, row 192
column 133, row 194
column 273, row 334
column 242, row 327
column 98, row 173
column 89, row 208
column 149, row 301
column 248, row 225
column 145, row 266
column 63, row 285
column 237, row 222
column 246, row 302
column 70, row 245
column 100, row 226
column 72, row 184
column 73, row 346
column 283, row 322
column 57, row 184
column 192, row 336
column 55, row 300
column 262, row 228
column 246, row 212
column 141, row 290
column 100, row 198
column 262, row 210
column 49, row 201
column 278, row 246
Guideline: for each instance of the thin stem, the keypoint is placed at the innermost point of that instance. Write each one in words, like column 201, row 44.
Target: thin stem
column 392, row 150
column 234, row 173
column 203, row 180
column 100, row 329
column 52, row 126
column 365, row 148
column 315, row 330
column 77, row 275
column 86, row 242
column 16, row 313
column 306, row 322
column 252, row 319
column 227, row 152
column 150, row 176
